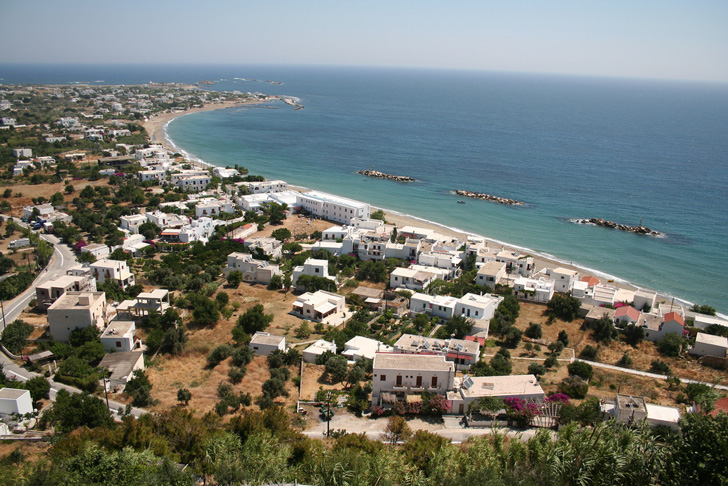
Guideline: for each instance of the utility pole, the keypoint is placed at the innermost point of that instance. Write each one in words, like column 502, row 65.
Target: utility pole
column 106, row 392
column 2, row 306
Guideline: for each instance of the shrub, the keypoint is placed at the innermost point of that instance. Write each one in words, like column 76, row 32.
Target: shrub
column 589, row 352
column 671, row 345
column 625, row 360
column 219, row 354
column 564, row 306
column 534, row 331
column 536, row 369
column 551, row 361
column 659, row 366
column 563, row 337
column 581, row 369
column 574, row 386
column 242, row 356
column 236, row 374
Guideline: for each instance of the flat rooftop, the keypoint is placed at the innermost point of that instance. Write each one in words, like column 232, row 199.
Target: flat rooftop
column 75, row 300
column 497, row 386
column 412, row 362
column 118, row 328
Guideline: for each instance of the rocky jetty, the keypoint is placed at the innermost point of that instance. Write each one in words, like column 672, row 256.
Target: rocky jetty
column 638, row 230
column 382, row 175
column 488, row 197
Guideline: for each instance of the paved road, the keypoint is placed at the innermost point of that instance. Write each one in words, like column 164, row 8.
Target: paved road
column 63, row 259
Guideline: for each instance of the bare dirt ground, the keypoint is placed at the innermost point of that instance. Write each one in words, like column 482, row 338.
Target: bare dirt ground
column 607, row 382
column 313, row 380
column 31, row 191
column 296, row 225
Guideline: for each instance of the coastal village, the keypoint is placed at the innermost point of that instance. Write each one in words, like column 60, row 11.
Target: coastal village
column 219, row 292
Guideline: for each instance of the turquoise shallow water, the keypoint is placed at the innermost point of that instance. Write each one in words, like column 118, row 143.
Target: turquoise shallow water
column 569, row 147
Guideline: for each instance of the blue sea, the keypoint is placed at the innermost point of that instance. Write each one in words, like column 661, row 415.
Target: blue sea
column 569, row 147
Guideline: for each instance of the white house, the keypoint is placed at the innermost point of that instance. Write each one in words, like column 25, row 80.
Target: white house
column 15, row 401
column 99, row 250
column 540, row 290
column 193, row 183
column 490, row 273
column 644, row 298
column 119, row 336
column 23, row 152
column 47, row 293
column 443, row 260
column 471, row 389
column 564, row 279
column 672, row 322
column 517, row 263
column 463, row 353
column 627, row 409
column 320, row 306
column 113, row 270
column 314, row 268
column 396, row 375
column 316, row 349
column 332, row 208
column 710, row 345
column 263, row 187
column 411, row 279
column 264, row 343
column 479, row 309
column 152, row 175
column 626, row 315
column 121, row 366
column 132, row 222
column 76, row 310
column 442, row 306
column 254, row 271
column 43, row 211
column 157, row 217
column 363, row 347
column 269, row 246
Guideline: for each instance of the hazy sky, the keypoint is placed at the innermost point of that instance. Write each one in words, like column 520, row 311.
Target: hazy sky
column 676, row 39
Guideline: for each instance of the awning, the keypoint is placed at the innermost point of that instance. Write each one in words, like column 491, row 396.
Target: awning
column 325, row 307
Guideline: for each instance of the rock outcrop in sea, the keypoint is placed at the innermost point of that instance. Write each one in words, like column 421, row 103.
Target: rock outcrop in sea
column 382, row 175
column 488, row 197
column 638, row 230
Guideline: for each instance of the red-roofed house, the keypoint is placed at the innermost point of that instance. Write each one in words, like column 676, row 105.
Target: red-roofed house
column 627, row 315
column 721, row 405
column 672, row 322
column 591, row 281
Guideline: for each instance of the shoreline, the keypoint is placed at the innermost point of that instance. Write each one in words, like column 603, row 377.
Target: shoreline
column 541, row 260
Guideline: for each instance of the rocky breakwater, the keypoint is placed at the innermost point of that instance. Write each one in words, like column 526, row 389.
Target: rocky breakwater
column 382, row 175
column 638, row 230
column 488, row 197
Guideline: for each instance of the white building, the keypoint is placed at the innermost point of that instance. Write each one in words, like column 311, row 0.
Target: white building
column 263, row 187
column 264, row 343
column 121, row 366
column 47, row 293
column 23, row 152
column 564, row 279
column 99, row 250
column 490, row 273
column 463, row 353
column 525, row 387
column 312, row 267
column 442, row 306
column 672, row 322
column 76, row 310
column 363, row 347
column 316, row 349
column 443, row 260
column 411, row 279
column 192, row 183
column 15, row 401
column 43, row 211
column 480, row 309
column 269, row 246
column 152, row 175
column 644, row 298
column 113, row 270
column 119, row 336
column 710, row 345
column 517, row 263
column 541, row 290
column 632, row 410
column 395, row 376
column 254, row 271
column 332, row 208
column 132, row 222
column 157, row 217
column 321, row 306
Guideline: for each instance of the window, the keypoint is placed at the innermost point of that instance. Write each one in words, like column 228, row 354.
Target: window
column 399, row 380
column 118, row 344
column 383, row 378
column 434, row 381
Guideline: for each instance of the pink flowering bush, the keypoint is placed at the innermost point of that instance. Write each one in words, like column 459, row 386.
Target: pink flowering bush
column 559, row 397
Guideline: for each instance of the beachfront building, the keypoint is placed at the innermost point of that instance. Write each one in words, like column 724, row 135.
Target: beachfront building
column 644, row 300
column 490, row 273
column 262, row 187
column 158, row 175
column 225, row 173
column 710, row 345
column 541, row 290
column 193, row 183
column 119, row 336
column 313, row 268
column 564, row 279
column 316, row 349
column 479, row 309
column 332, row 208
column 397, row 376
column 320, row 306
column 254, row 271
column 360, row 347
column 113, row 270
column 47, row 293
column 264, row 343
column 523, row 265
column 76, row 310
column 407, row 278
column 211, row 206
column 626, row 315
column 473, row 388
column 463, row 353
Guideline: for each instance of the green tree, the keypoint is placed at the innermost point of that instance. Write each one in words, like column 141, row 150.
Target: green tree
column 255, row 319
column 39, row 388
column 563, row 337
column 139, row 388
column 234, row 278
column 534, row 331
column 281, row 234
column 564, row 306
column 219, row 354
column 697, row 455
column 205, row 311
column 184, row 396
column 337, row 368
column 75, row 410
column 671, row 344
column 581, row 369
column 15, row 336
column 397, row 430
column 633, row 335
column 303, row 331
